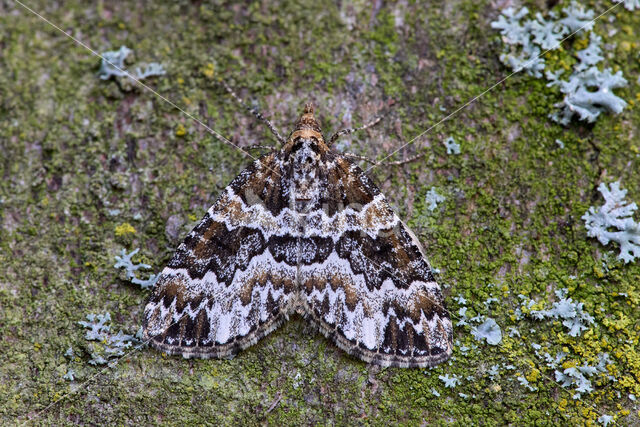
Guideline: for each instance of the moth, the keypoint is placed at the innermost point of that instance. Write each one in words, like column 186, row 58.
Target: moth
column 301, row 230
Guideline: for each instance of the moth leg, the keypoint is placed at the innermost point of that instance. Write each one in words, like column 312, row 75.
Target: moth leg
column 385, row 163
column 358, row 157
column 401, row 162
column 261, row 147
column 348, row 131
column 255, row 112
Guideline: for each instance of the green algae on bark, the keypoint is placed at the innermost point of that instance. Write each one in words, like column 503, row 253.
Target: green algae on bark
column 76, row 148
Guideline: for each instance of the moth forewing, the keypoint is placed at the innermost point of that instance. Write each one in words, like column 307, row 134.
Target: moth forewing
column 301, row 230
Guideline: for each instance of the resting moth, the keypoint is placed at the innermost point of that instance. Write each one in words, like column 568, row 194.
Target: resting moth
column 301, row 230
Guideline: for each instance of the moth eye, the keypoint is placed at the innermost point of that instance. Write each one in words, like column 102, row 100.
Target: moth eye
column 309, row 160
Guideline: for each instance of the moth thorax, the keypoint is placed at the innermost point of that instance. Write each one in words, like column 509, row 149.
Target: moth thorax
column 305, row 161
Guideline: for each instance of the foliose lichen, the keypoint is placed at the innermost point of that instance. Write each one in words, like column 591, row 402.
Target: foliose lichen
column 107, row 346
column 489, row 331
column 433, row 199
column 572, row 313
column 113, row 65
column 588, row 91
column 613, row 222
column 124, row 261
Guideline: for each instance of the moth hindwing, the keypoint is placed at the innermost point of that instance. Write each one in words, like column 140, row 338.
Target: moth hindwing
column 302, row 230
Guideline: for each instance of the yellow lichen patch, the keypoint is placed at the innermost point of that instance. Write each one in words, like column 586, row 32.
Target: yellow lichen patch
column 617, row 324
column 180, row 130
column 208, row 70
column 598, row 272
column 533, row 375
column 627, row 382
column 124, row 229
column 495, row 388
column 589, row 414
column 562, row 405
column 582, row 44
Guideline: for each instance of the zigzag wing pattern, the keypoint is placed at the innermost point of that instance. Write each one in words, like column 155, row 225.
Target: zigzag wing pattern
column 301, row 230
column 364, row 279
column 231, row 280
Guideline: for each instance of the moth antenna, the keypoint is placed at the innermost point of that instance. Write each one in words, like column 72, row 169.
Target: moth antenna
column 348, row 131
column 255, row 112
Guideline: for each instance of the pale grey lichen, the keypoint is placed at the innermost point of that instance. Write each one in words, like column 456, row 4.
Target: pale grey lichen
column 552, row 361
column 452, row 146
column 529, row 59
column 97, row 325
column 494, row 371
column 70, row 375
column 590, row 55
column 629, row 4
column 113, row 65
column 587, row 91
column 547, row 34
column 490, row 300
column 478, row 318
column 520, row 51
column 489, row 331
column 605, row 419
column 572, row 313
column 151, row 69
column 577, row 18
column 433, row 198
column 449, row 382
column 124, row 261
column 576, row 377
column 106, row 345
column 462, row 314
column 69, row 352
column 460, row 299
column 525, row 383
column 613, row 222
column 512, row 30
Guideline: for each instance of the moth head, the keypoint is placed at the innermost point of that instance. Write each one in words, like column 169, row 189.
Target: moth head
column 307, row 129
column 304, row 151
column 307, row 120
